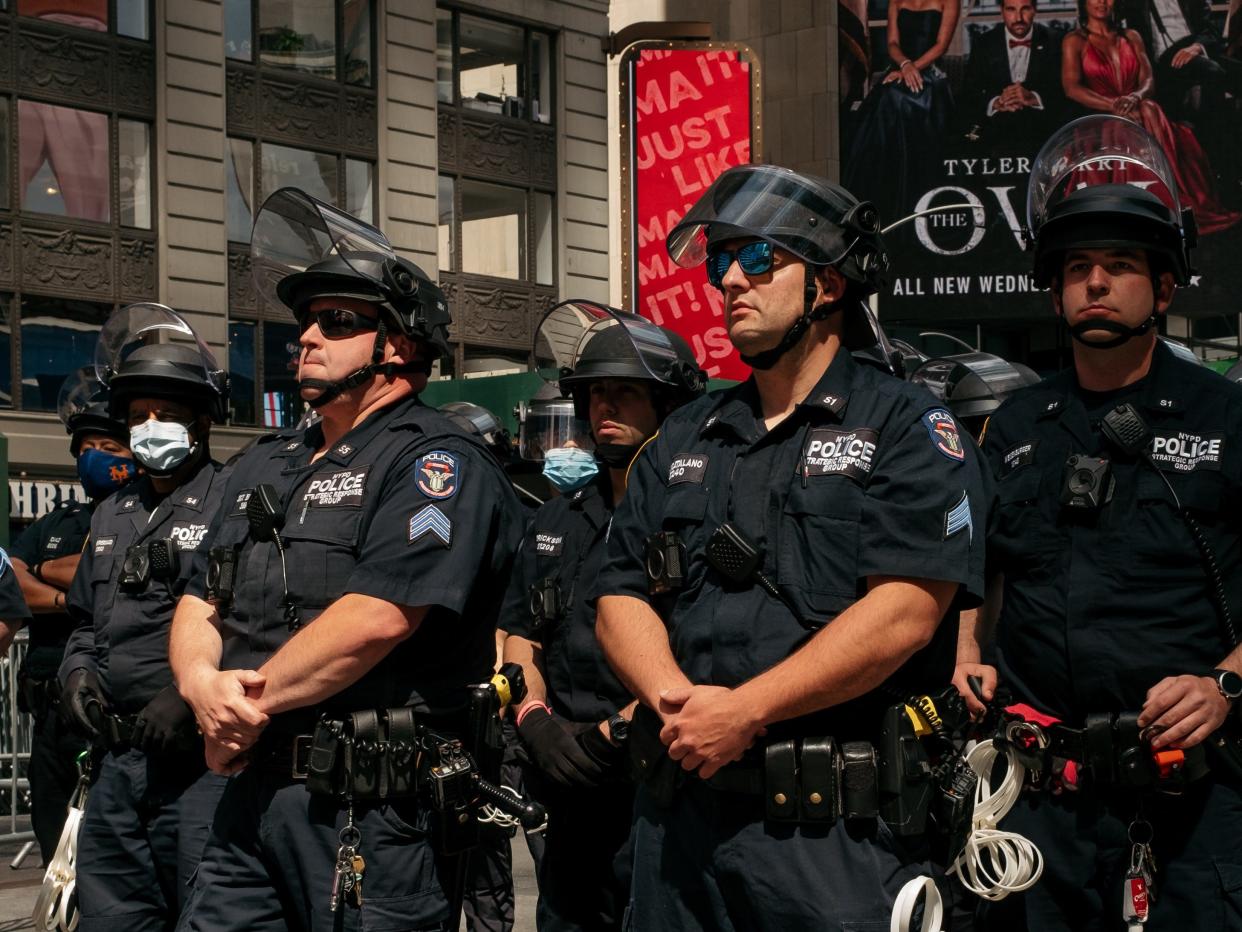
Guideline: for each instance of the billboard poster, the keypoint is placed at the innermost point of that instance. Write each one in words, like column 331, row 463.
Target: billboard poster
column 688, row 114
column 947, row 104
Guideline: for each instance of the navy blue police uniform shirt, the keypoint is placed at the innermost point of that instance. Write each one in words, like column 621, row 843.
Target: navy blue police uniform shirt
column 13, row 608
column 867, row 477
column 59, row 533
column 567, row 542
column 1098, row 609
column 121, row 631
column 405, row 508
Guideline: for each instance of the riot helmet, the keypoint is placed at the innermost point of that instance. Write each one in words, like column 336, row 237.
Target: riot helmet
column 149, row 351
column 478, row 421
column 1103, row 181
column 580, row 342
column 303, row 249
column 815, row 219
column 972, row 385
column 83, row 408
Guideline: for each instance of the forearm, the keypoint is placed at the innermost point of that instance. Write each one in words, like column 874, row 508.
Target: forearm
column 529, row 654
column 1232, row 661
column 977, row 626
column 41, row 598
column 194, row 642
column 334, row 651
column 59, row 572
column 635, row 642
column 1088, row 98
column 858, row 651
column 8, row 630
column 897, row 55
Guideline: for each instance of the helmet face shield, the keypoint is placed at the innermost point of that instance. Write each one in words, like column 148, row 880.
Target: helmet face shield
column 141, row 325
column 565, row 333
column 972, row 384
column 81, row 390
column 550, row 425
column 1097, row 150
column 806, row 216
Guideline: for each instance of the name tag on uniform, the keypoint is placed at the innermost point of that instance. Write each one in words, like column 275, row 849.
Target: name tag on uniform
column 242, row 500
column 1019, row 455
column 103, row 545
column 687, row 467
column 1180, row 451
column 549, row 545
column 831, row 451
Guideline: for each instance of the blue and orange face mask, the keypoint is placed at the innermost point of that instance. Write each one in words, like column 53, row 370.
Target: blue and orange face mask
column 103, row 473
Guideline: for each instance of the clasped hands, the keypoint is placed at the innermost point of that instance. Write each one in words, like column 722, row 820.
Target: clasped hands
column 707, row 727
column 1013, row 98
column 228, row 716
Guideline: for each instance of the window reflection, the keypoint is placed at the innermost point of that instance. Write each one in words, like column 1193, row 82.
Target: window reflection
column 237, row 30
column 6, row 342
column 241, row 371
column 282, row 404
column 543, row 224
column 134, row 177
column 357, row 42
column 359, row 185
column 541, row 77
column 444, row 56
column 492, row 229
column 85, row 14
column 444, row 228
column 132, row 18
column 299, row 35
column 239, row 188
column 63, row 161
column 313, row 172
column 57, row 338
column 490, row 56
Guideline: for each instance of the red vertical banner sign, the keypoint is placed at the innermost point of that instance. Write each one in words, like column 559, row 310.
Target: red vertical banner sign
column 690, row 117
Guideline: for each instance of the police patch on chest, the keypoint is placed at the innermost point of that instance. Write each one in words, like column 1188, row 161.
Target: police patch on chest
column 1180, row 451
column 188, row 536
column 338, row 490
column 549, row 545
column 437, row 474
column 1019, row 455
column 830, row 451
column 687, row 467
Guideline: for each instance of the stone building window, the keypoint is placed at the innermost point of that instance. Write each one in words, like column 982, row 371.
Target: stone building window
column 301, row 112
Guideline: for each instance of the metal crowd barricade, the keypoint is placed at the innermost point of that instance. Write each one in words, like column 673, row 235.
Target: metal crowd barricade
column 15, row 735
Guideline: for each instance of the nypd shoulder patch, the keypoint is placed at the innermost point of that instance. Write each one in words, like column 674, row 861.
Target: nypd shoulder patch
column 431, row 520
column 958, row 518
column 943, row 432
column 438, row 474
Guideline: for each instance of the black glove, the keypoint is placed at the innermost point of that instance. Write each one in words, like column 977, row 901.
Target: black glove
column 165, row 723
column 606, row 754
column 82, row 704
column 557, row 752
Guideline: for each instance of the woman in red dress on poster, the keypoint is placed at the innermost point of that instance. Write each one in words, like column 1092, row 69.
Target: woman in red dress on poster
column 1105, row 67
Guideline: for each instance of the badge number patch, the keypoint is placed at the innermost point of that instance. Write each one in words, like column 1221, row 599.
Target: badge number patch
column 687, row 467
column 437, row 474
column 943, row 432
column 1019, row 455
column 549, row 545
column 431, row 520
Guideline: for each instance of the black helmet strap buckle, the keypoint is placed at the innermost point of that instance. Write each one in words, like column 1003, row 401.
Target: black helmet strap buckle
column 811, row 313
column 1123, row 332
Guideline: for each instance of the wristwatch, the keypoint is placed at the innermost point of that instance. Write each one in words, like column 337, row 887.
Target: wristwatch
column 1229, row 684
column 618, row 729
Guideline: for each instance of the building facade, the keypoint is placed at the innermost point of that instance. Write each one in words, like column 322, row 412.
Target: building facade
column 142, row 136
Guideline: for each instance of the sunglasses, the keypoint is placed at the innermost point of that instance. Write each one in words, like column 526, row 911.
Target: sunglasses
column 337, row 322
column 754, row 258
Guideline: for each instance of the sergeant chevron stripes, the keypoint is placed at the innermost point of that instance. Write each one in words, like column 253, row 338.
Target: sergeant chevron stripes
column 958, row 517
column 431, row 520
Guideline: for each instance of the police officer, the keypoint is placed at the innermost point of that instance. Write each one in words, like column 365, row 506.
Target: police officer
column 824, row 513
column 150, row 805
column 576, row 715
column 356, row 577
column 1116, row 547
column 44, row 560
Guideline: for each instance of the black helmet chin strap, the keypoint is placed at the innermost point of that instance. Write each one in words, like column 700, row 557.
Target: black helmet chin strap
column 768, row 358
column 1123, row 333
column 331, row 390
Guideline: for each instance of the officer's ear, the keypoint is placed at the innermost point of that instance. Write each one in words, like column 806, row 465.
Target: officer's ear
column 1164, row 286
column 401, row 349
column 831, row 285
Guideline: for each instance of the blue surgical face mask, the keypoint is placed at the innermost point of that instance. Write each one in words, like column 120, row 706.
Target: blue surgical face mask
column 160, row 446
column 102, row 473
column 569, row 468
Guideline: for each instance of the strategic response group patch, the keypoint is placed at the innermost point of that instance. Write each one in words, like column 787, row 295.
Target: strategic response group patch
column 943, row 432
column 832, row 451
column 188, row 536
column 1179, row 451
column 339, row 489
column 437, row 474
column 687, row 467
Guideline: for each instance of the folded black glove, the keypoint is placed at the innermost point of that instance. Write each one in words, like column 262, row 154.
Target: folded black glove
column 606, row 754
column 164, row 724
column 558, row 752
column 82, row 703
